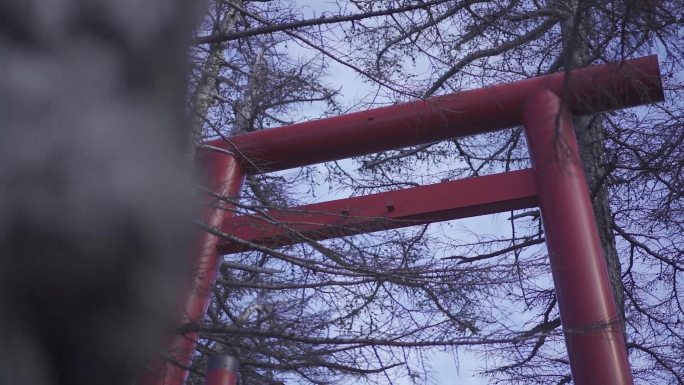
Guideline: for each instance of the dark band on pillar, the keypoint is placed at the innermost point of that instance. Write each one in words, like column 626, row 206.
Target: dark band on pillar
column 223, row 361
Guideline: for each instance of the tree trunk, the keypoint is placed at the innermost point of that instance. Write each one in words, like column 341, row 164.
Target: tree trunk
column 576, row 30
column 203, row 97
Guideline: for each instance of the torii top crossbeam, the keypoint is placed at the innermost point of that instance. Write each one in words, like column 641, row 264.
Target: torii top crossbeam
column 587, row 90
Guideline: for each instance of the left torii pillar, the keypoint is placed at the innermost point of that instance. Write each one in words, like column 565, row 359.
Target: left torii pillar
column 224, row 180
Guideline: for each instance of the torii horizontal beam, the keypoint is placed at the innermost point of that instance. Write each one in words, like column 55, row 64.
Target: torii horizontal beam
column 587, row 90
column 388, row 210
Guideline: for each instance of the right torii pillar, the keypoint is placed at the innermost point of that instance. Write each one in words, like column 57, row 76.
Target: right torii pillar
column 591, row 321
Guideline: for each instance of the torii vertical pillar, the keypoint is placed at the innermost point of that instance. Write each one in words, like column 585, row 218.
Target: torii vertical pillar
column 222, row 370
column 589, row 315
column 224, row 178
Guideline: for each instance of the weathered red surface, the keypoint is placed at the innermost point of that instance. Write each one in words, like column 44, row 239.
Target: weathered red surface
column 425, row 204
column 589, row 316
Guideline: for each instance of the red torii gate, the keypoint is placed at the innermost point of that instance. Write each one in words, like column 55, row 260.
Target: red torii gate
column 556, row 183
